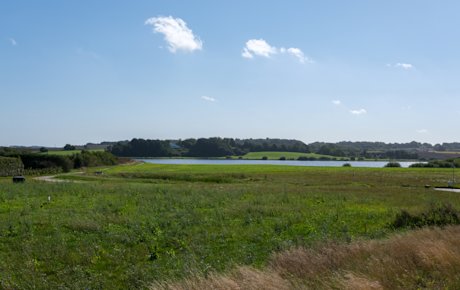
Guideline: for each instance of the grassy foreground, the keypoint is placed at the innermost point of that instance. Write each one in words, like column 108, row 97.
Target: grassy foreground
column 424, row 259
column 140, row 224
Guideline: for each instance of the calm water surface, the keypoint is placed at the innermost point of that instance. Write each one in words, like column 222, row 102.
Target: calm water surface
column 373, row 164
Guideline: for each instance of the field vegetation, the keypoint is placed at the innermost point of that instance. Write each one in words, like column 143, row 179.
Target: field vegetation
column 423, row 259
column 68, row 152
column 37, row 163
column 10, row 166
column 138, row 225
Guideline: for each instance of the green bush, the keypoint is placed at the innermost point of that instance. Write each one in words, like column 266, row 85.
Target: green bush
column 40, row 161
column 448, row 163
column 10, row 166
column 69, row 147
column 434, row 216
column 392, row 164
column 91, row 159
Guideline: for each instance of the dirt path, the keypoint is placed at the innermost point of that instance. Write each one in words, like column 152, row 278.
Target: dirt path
column 447, row 189
column 52, row 178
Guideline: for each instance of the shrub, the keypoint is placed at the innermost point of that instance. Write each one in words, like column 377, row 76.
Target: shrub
column 69, row 147
column 448, row 163
column 264, row 158
column 282, row 158
column 392, row 164
column 39, row 161
column 421, row 165
column 434, row 216
column 96, row 158
column 305, row 158
column 10, row 166
column 346, row 165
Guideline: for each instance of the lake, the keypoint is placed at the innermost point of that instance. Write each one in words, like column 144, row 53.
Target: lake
column 372, row 164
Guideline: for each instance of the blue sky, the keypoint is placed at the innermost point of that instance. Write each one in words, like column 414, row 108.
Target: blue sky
column 89, row 71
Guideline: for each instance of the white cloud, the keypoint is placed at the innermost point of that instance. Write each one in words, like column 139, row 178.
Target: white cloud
column 209, row 99
column 13, row 42
column 337, row 102
column 422, row 131
column 401, row 65
column 176, row 33
column 258, row 47
column 358, row 112
column 246, row 53
column 299, row 54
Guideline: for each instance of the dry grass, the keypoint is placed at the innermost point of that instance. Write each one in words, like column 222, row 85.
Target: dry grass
column 422, row 259
column 240, row 278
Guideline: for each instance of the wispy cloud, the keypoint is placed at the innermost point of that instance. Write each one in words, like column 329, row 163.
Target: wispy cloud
column 298, row 53
column 337, row 102
column 260, row 47
column 13, row 42
column 402, row 65
column 358, row 112
column 422, row 131
column 176, row 33
column 208, row 99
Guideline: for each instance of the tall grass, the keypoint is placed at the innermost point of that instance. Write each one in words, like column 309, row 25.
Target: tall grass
column 424, row 259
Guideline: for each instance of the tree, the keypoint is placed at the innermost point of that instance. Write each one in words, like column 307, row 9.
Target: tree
column 69, row 147
column 393, row 164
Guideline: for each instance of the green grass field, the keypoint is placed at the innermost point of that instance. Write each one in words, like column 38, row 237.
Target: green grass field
column 140, row 223
column 287, row 155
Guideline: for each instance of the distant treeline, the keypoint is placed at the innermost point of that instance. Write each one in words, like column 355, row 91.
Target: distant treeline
column 381, row 150
column 359, row 146
column 369, row 150
column 43, row 163
column 220, row 147
column 204, row 147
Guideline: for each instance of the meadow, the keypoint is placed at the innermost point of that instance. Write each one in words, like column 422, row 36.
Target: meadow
column 140, row 224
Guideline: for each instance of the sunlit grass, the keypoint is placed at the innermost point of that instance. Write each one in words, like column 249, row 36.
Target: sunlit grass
column 136, row 224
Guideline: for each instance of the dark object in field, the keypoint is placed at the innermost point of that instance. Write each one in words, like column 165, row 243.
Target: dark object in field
column 439, row 216
column 19, row 179
column 427, row 186
column 393, row 164
column 98, row 172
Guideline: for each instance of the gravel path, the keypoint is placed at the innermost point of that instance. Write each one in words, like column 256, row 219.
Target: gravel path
column 447, row 189
column 50, row 178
